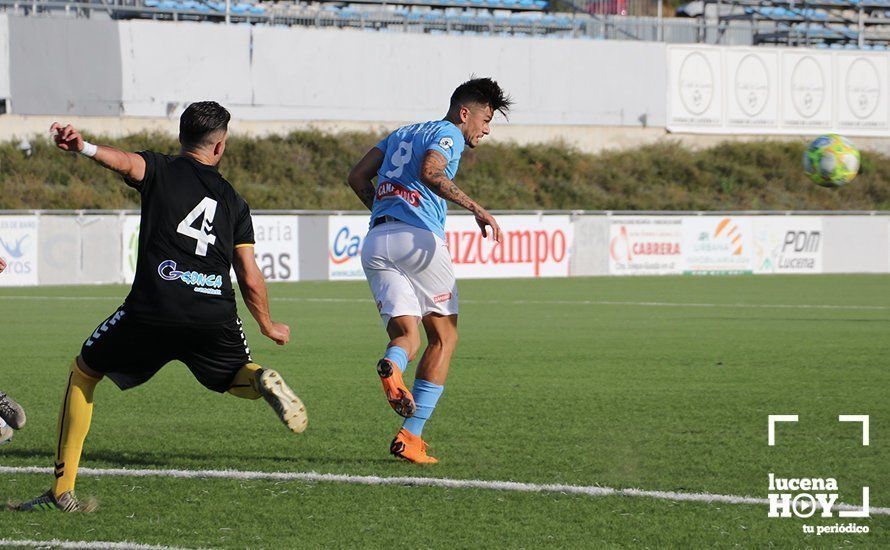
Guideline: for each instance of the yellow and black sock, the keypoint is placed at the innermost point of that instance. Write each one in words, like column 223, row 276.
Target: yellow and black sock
column 244, row 385
column 74, row 423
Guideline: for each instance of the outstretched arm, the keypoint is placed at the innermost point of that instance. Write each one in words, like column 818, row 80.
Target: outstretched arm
column 362, row 173
column 129, row 165
column 432, row 174
column 253, row 290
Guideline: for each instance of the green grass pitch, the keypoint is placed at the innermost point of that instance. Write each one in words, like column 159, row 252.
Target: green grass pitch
column 550, row 384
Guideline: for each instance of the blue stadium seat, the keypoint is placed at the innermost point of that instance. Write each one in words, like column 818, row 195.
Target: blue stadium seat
column 542, row 4
column 151, row 3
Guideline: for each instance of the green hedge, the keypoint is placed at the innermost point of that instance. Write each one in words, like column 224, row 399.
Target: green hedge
column 307, row 170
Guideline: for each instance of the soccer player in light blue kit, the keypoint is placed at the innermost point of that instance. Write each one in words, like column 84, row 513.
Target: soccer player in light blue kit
column 405, row 257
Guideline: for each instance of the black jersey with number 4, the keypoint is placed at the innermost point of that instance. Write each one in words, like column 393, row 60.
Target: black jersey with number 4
column 192, row 220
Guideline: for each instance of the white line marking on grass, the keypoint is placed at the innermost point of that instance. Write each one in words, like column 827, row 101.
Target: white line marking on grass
column 97, row 545
column 517, row 302
column 437, row 482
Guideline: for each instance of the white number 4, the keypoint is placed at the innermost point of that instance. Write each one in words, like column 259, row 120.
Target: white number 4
column 202, row 235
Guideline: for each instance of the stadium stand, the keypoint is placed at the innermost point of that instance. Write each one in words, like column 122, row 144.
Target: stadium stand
column 853, row 24
column 863, row 24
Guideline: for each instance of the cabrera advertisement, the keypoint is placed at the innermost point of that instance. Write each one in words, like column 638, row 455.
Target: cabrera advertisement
column 645, row 245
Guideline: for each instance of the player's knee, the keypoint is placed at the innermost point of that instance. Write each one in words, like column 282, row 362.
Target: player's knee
column 446, row 339
column 85, row 369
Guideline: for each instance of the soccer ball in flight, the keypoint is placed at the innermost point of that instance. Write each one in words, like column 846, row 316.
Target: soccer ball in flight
column 831, row 160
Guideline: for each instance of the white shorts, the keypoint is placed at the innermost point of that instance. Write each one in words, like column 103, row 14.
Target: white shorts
column 409, row 271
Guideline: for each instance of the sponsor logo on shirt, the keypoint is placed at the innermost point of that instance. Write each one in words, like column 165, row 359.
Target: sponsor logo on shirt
column 203, row 283
column 389, row 189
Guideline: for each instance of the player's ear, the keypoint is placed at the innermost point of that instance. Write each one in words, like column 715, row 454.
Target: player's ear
column 219, row 147
column 464, row 113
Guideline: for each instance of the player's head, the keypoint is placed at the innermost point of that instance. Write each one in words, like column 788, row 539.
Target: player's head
column 473, row 105
column 203, row 127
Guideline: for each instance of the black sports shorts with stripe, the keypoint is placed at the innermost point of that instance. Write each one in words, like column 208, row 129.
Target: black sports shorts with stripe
column 130, row 351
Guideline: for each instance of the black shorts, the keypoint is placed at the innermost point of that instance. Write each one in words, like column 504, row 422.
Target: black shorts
column 130, row 351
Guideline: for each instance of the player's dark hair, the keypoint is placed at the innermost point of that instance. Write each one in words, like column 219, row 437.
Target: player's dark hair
column 482, row 91
column 200, row 121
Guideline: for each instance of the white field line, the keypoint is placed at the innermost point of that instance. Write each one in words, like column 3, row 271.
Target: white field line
column 92, row 545
column 515, row 302
column 437, row 482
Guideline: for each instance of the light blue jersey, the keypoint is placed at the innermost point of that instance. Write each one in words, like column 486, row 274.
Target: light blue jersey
column 400, row 193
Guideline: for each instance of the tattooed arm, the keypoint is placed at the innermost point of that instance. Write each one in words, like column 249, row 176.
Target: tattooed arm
column 362, row 173
column 432, row 174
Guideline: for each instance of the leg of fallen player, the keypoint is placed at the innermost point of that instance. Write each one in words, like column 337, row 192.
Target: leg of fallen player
column 74, row 424
column 441, row 331
column 403, row 345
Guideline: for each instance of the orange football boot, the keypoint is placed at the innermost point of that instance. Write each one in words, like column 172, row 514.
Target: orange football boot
column 411, row 447
column 400, row 399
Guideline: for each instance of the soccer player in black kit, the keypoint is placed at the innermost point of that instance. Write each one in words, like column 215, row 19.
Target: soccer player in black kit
column 194, row 229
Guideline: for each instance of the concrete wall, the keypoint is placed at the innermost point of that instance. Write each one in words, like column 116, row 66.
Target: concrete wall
column 383, row 76
column 167, row 66
column 153, row 69
column 4, row 60
column 64, row 66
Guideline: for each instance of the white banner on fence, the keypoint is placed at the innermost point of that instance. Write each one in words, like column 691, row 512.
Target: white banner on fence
column 346, row 234
column 695, row 94
column 276, row 247
column 862, row 84
column 788, row 244
column 533, row 246
column 645, row 245
column 752, row 79
column 777, row 91
column 806, row 86
column 18, row 247
column 715, row 245
column 130, row 244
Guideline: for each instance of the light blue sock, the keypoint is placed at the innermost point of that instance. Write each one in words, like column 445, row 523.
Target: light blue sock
column 398, row 356
column 426, row 395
